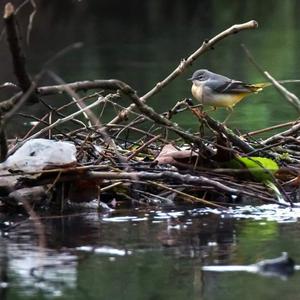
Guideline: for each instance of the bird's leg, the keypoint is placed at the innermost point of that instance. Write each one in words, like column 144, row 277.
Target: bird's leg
column 229, row 115
column 212, row 108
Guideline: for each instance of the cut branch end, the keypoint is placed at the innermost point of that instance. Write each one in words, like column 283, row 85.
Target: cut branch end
column 9, row 10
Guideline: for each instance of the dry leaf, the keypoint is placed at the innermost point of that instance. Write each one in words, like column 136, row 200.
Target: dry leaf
column 170, row 155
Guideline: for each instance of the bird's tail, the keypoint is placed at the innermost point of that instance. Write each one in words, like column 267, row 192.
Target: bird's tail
column 257, row 87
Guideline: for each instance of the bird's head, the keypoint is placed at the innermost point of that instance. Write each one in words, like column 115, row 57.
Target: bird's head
column 200, row 75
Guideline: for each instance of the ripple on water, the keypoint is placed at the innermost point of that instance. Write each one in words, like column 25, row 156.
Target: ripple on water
column 268, row 212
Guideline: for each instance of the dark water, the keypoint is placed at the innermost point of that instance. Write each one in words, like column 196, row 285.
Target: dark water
column 149, row 255
column 142, row 254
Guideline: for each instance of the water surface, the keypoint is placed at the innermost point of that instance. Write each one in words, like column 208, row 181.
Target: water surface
column 148, row 255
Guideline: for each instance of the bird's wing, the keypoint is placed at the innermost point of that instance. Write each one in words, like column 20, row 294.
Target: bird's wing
column 230, row 86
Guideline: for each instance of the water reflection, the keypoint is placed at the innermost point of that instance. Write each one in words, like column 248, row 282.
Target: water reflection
column 49, row 272
column 282, row 267
column 145, row 254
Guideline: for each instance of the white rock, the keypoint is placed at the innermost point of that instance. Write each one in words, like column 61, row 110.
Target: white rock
column 38, row 154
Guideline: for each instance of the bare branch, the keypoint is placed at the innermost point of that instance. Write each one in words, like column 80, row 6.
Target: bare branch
column 234, row 139
column 17, row 54
column 291, row 131
column 259, row 131
column 290, row 97
column 31, row 17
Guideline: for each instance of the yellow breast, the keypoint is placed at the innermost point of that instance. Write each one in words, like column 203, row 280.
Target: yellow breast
column 224, row 100
column 216, row 99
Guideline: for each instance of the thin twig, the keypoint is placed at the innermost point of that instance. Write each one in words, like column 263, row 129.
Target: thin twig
column 140, row 149
column 291, row 131
column 89, row 115
column 30, row 23
column 56, row 123
column 290, row 97
column 264, row 130
column 108, row 187
column 185, row 195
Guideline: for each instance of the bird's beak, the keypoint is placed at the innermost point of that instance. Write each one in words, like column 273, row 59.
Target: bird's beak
column 190, row 78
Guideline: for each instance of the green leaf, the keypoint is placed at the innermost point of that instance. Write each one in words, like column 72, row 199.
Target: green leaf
column 261, row 168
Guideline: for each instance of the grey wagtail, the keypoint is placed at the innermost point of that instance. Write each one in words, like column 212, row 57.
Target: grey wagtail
column 219, row 91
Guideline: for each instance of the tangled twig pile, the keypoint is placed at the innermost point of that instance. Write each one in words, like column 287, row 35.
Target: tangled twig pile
column 140, row 157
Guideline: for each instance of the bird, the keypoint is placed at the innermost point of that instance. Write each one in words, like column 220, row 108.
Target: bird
column 216, row 90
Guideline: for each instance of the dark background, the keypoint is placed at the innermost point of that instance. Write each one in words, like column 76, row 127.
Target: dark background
column 141, row 42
